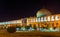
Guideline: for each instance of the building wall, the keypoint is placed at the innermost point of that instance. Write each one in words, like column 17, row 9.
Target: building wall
column 52, row 22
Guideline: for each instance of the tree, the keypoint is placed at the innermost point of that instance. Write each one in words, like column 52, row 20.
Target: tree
column 27, row 27
column 35, row 27
column 11, row 29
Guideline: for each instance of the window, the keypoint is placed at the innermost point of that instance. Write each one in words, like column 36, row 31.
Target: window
column 34, row 19
column 31, row 20
column 38, row 19
column 56, row 18
column 45, row 19
column 27, row 20
column 52, row 18
column 41, row 19
column 48, row 18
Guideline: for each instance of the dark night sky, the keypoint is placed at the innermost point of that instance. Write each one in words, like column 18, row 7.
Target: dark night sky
column 14, row 9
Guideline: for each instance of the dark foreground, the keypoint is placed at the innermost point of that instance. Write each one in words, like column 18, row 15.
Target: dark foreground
column 3, row 33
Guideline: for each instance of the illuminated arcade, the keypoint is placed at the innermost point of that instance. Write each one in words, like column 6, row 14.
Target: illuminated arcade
column 44, row 22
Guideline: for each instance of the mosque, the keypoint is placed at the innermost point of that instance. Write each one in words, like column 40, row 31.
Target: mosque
column 44, row 19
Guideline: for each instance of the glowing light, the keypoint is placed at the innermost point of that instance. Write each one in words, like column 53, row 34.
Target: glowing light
column 48, row 18
column 41, row 19
column 52, row 18
column 45, row 19
column 56, row 18
column 38, row 19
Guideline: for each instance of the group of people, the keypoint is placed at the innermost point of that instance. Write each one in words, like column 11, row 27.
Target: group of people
column 35, row 28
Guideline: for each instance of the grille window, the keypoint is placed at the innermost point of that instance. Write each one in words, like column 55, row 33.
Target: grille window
column 38, row 19
column 48, row 18
column 52, row 18
column 31, row 20
column 41, row 19
column 56, row 18
column 45, row 19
